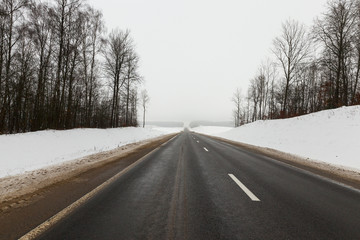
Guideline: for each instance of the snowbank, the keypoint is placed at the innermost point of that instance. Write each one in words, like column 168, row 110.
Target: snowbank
column 331, row 136
column 211, row 130
column 30, row 151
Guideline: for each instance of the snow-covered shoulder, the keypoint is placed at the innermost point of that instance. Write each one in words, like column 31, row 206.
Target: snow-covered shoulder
column 34, row 150
column 330, row 136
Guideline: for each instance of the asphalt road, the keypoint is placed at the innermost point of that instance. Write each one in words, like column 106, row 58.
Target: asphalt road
column 195, row 187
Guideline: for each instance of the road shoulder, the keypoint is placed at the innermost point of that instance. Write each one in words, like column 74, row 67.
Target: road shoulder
column 336, row 173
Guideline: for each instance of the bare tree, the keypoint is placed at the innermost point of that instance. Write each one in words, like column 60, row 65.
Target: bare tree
column 335, row 31
column 316, row 75
column 355, row 98
column 237, row 100
column 92, row 43
column 11, row 19
column 116, row 52
column 50, row 68
column 269, row 70
column 22, row 86
column 42, row 35
column 132, row 78
column 291, row 49
column 254, row 96
column 144, row 98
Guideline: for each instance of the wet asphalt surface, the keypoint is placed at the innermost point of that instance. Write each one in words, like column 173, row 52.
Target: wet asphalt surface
column 184, row 191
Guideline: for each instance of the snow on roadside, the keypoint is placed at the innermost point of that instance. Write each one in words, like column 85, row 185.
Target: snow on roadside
column 29, row 151
column 167, row 130
column 210, row 129
column 330, row 136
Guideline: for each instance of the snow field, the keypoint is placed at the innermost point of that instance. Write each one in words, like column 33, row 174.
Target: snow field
column 34, row 150
column 210, row 130
column 330, row 136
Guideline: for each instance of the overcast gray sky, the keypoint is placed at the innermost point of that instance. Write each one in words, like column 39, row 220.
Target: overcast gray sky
column 195, row 53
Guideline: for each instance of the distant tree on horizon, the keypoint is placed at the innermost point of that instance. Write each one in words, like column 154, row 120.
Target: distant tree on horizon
column 144, row 97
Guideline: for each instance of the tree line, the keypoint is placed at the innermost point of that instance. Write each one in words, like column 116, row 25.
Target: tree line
column 313, row 68
column 59, row 69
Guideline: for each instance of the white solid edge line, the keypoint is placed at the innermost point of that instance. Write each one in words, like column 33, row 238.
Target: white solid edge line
column 43, row 227
column 206, row 149
column 244, row 188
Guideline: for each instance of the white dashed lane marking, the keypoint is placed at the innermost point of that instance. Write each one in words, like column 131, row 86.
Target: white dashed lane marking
column 244, row 188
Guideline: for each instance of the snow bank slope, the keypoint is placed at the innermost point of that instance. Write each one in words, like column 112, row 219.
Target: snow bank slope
column 30, row 151
column 331, row 136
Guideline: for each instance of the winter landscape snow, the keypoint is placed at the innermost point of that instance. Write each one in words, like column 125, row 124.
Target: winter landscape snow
column 330, row 136
column 29, row 151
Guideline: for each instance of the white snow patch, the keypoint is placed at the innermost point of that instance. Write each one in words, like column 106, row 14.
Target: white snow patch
column 210, row 129
column 331, row 136
column 29, row 151
column 167, row 130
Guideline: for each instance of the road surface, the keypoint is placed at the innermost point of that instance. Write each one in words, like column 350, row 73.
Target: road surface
column 195, row 187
